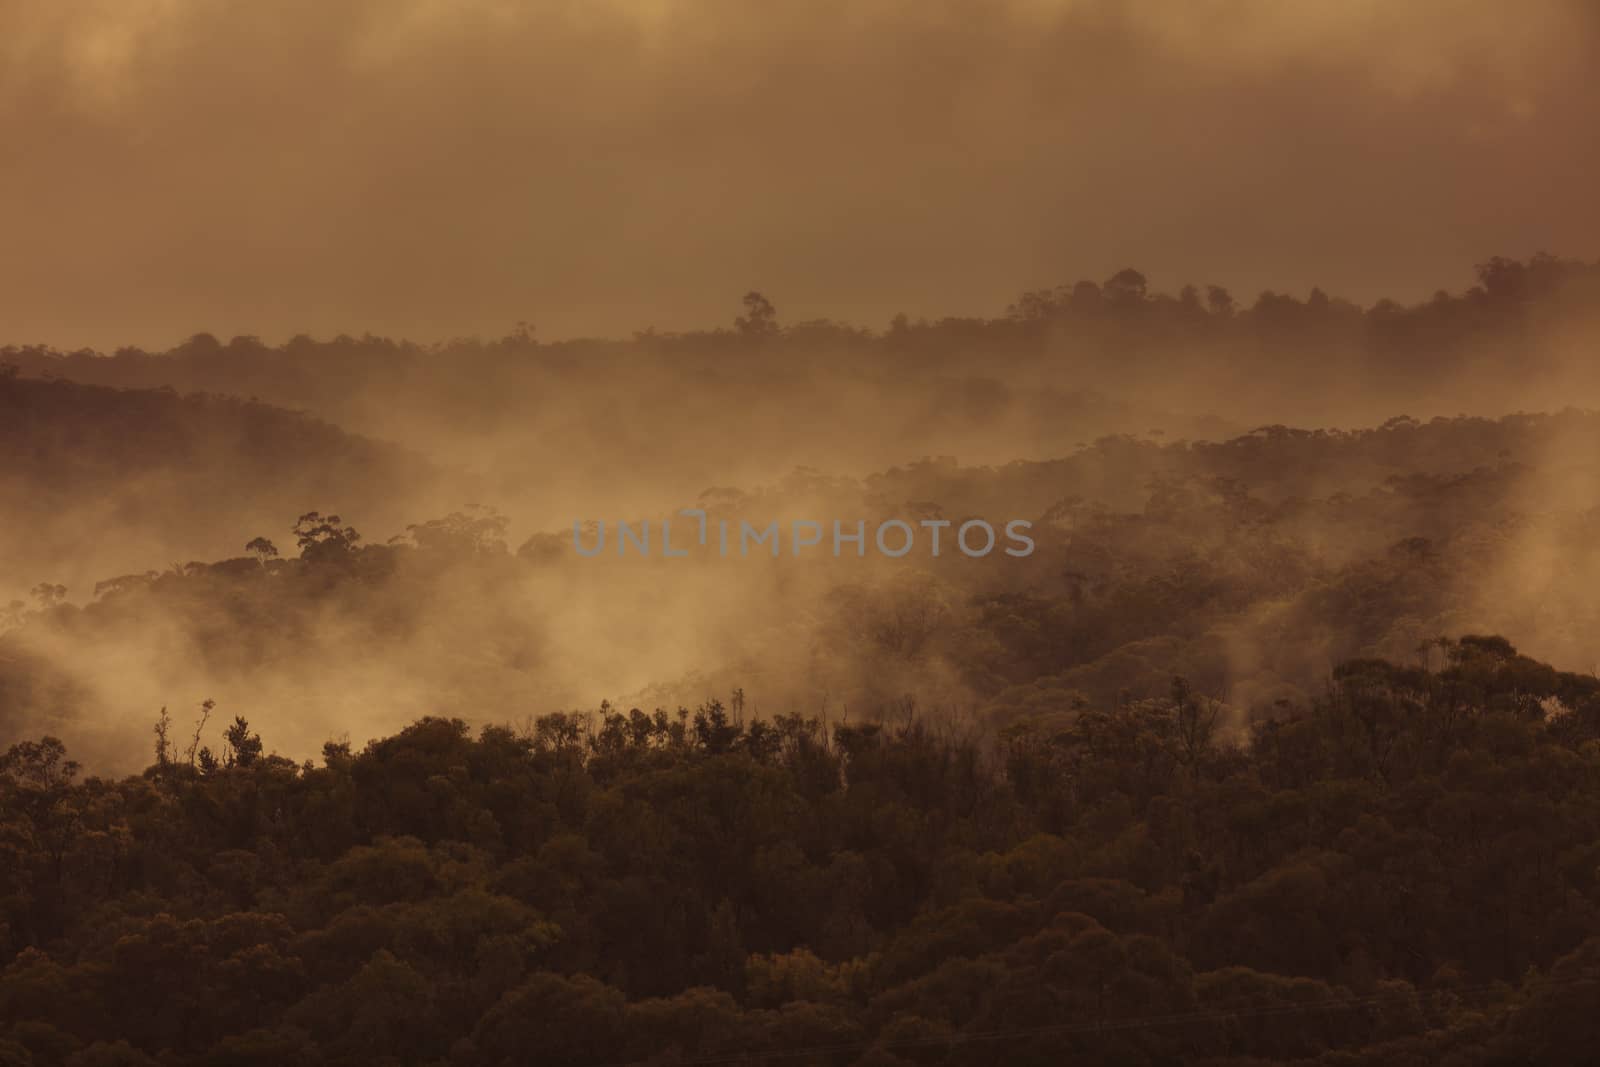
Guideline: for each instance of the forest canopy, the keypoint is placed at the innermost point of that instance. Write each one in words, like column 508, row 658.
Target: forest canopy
column 1402, row 871
column 313, row 728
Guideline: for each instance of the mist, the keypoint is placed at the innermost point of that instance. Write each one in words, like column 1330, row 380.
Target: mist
column 451, row 453
column 431, row 170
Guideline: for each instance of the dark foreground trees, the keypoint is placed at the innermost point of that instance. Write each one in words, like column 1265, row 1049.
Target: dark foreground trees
column 1407, row 871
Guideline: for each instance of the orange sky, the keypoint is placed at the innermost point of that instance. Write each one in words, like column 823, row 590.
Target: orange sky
column 433, row 168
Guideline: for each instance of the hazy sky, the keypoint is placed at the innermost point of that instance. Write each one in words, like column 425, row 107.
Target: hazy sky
column 441, row 167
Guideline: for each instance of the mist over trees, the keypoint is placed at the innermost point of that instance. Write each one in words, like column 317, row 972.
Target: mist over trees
column 447, row 449
column 1119, row 328
column 320, row 743
column 549, row 430
column 95, row 479
column 1252, row 565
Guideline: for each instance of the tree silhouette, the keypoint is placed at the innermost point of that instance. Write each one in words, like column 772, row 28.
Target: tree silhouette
column 262, row 549
column 323, row 538
column 241, row 747
column 760, row 318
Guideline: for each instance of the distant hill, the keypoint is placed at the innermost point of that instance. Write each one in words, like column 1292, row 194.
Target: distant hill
column 96, row 481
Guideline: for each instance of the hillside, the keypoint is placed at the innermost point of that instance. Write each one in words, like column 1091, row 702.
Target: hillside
column 97, row 481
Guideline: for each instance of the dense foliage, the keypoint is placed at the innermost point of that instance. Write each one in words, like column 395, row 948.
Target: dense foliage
column 1198, row 780
column 1405, row 871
